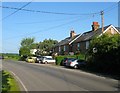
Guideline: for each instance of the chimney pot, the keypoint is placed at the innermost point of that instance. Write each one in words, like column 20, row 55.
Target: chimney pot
column 72, row 33
column 95, row 26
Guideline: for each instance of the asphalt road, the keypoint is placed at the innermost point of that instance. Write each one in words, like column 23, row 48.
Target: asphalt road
column 38, row 77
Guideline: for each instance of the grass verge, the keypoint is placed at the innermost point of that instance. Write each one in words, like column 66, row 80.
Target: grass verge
column 9, row 83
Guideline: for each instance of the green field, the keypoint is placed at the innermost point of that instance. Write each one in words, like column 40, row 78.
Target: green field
column 10, row 56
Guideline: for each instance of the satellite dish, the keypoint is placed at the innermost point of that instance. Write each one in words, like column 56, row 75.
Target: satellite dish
column 94, row 50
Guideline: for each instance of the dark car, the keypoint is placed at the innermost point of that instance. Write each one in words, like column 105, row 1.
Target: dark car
column 39, row 59
column 81, row 63
column 63, row 62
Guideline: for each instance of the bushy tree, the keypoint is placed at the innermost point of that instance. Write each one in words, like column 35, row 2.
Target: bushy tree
column 24, row 51
column 26, row 45
column 47, row 45
column 27, row 42
column 107, row 56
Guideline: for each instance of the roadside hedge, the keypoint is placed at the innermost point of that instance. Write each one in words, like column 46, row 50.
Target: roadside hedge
column 107, row 57
column 61, row 57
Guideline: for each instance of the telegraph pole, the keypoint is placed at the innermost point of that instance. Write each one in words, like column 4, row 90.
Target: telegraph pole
column 102, row 20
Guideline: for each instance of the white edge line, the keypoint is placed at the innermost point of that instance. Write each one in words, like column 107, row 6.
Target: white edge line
column 20, row 81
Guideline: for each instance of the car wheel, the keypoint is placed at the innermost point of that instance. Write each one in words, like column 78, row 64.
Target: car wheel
column 75, row 67
column 46, row 62
column 39, row 61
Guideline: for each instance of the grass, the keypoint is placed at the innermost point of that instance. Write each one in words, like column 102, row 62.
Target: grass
column 9, row 83
column 8, row 56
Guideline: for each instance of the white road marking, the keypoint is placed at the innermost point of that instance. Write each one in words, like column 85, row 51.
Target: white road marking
column 18, row 79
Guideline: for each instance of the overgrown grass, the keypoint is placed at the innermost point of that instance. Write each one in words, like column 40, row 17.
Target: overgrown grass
column 9, row 83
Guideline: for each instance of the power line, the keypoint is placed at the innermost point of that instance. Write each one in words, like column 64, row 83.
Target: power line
column 53, row 26
column 38, row 11
column 110, row 8
column 46, row 21
column 16, row 11
column 47, row 29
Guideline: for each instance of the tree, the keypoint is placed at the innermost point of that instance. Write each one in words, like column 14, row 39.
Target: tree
column 47, row 45
column 26, row 45
column 27, row 42
column 107, row 56
column 25, row 51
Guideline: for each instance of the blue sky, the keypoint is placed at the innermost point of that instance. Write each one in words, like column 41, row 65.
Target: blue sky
column 42, row 26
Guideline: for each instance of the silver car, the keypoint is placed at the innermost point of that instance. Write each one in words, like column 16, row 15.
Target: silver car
column 75, row 63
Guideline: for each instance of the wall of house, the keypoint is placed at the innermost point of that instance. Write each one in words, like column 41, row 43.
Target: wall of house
column 56, row 49
column 62, row 51
column 81, row 48
column 74, row 47
column 111, row 31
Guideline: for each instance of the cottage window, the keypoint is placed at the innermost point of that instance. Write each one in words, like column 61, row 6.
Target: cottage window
column 87, row 44
column 59, row 48
column 78, row 46
column 64, row 48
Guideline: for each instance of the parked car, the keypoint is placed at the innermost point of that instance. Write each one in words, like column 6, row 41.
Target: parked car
column 81, row 63
column 75, row 63
column 46, row 60
column 30, row 59
column 39, row 59
column 64, row 61
column 47, row 56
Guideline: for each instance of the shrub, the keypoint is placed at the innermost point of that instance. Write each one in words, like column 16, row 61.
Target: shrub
column 106, row 59
column 60, row 58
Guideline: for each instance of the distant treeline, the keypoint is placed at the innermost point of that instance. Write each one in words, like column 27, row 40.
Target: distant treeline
column 13, row 56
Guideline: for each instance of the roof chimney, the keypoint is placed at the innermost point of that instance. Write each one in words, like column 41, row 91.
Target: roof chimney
column 72, row 33
column 95, row 26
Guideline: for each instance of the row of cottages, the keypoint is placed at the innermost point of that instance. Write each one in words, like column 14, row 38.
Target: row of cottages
column 81, row 42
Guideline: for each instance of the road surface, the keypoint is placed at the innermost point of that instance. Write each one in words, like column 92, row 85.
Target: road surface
column 39, row 77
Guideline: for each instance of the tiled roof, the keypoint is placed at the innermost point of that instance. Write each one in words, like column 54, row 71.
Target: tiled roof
column 66, row 40
column 118, row 28
column 90, row 34
column 85, row 36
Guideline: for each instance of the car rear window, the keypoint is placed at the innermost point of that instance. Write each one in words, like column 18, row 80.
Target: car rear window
column 71, row 59
column 49, row 58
